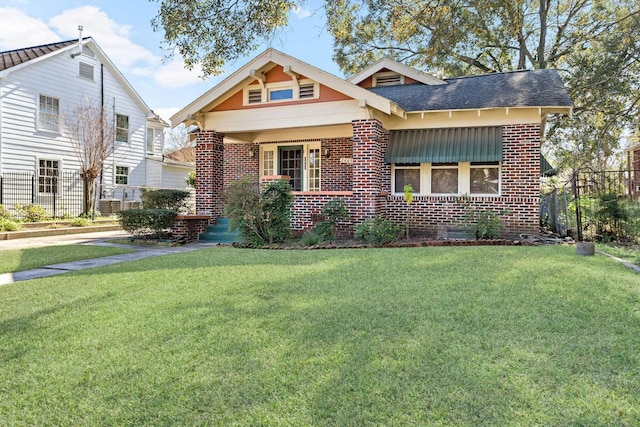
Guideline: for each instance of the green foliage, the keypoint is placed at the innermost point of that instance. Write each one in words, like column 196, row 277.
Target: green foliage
column 5, row 213
column 191, row 179
column 7, row 224
column 164, row 199
column 31, row 212
column 150, row 222
column 211, row 32
column 332, row 213
column 311, row 238
column 80, row 222
column 377, row 231
column 261, row 217
column 486, row 224
column 408, row 194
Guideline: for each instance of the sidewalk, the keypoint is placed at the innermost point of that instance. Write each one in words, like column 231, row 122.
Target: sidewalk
column 101, row 238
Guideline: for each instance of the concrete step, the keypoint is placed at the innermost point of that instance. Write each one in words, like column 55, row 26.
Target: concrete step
column 220, row 233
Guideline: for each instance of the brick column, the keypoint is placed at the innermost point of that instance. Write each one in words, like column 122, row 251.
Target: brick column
column 368, row 162
column 209, row 174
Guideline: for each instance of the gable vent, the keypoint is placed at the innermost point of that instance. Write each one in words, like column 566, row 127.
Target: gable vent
column 388, row 80
column 307, row 91
column 255, row 96
column 86, row 71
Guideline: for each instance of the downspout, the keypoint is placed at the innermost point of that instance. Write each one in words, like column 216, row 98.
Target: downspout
column 101, row 134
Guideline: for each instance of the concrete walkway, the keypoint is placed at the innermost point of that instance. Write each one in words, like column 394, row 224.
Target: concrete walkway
column 141, row 252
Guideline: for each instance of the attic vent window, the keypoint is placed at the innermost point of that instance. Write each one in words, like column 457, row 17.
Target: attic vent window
column 85, row 71
column 388, row 79
column 307, row 91
column 255, row 96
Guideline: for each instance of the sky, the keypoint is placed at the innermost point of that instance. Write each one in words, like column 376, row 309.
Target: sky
column 123, row 31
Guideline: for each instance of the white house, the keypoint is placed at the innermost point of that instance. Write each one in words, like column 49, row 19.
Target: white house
column 40, row 87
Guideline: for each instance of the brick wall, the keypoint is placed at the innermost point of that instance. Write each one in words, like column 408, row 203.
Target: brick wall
column 209, row 173
column 238, row 163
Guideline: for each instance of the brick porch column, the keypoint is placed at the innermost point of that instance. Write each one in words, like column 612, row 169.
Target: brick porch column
column 368, row 162
column 209, row 174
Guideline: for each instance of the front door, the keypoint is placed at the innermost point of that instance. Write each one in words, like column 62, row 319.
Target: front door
column 291, row 165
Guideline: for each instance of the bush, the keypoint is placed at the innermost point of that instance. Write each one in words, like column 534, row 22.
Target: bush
column 30, row 213
column 261, row 217
column 333, row 212
column 5, row 213
column 486, row 225
column 174, row 200
column 378, row 231
column 191, row 179
column 9, row 225
column 149, row 222
column 80, row 222
column 311, row 238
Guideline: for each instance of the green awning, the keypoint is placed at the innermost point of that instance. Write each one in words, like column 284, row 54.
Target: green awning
column 545, row 167
column 473, row 144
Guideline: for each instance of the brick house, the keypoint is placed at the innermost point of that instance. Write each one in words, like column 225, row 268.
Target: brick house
column 364, row 138
column 633, row 164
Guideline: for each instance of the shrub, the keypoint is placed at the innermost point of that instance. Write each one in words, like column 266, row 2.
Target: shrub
column 80, row 222
column 164, row 199
column 333, row 212
column 486, row 225
column 261, row 217
column 9, row 225
column 5, row 213
column 311, row 238
column 191, row 179
column 378, row 231
column 149, row 222
column 31, row 213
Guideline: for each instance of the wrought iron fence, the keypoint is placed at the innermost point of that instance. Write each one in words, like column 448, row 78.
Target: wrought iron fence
column 61, row 197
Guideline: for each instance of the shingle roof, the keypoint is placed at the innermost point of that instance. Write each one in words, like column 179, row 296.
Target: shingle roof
column 527, row 88
column 11, row 58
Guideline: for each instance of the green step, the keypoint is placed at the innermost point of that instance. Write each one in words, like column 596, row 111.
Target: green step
column 220, row 233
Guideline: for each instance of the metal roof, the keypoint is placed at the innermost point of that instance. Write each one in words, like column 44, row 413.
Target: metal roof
column 472, row 144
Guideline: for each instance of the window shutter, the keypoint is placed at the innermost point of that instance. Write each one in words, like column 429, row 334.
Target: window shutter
column 86, row 71
column 390, row 80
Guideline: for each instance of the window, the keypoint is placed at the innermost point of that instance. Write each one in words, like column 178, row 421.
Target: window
column 444, row 178
column 122, row 175
column 48, row 172
column 404, row 174
column 485, row 178
column 151, row 139
column 280, row 94
column 122, row 128
column 302, row 163
column 48, row 113
column 85, row 71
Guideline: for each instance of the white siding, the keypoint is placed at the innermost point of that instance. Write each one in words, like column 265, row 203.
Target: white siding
column 58, row 76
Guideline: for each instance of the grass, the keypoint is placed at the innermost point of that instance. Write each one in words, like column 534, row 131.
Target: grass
column 630, row 253
column 26, row 259
column 417, row 336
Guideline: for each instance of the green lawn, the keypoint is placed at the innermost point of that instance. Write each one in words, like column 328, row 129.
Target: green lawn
column 463, row 336
column 26, row 259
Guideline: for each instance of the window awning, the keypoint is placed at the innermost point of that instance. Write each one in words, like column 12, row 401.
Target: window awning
column 472, row 144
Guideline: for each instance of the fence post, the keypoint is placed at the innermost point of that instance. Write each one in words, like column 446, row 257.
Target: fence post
column 1, row 189
column 576, row 194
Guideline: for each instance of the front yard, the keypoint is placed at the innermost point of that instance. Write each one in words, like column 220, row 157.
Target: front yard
column 460, row 336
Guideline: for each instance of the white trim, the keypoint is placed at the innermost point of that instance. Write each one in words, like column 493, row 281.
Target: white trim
column 38, row 113
column 37, row 165
column 390, row 64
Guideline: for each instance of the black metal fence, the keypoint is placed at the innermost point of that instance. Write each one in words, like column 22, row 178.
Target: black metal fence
column 60, row 196
column 602, row 205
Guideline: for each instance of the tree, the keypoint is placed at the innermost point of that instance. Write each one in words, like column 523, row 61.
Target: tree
column 593, row 43
column 92, row 133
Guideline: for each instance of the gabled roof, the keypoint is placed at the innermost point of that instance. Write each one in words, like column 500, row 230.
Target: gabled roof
column 267, row 60
column 17, row 59
column 11, row 58
column 528, row 88
column 390, row 64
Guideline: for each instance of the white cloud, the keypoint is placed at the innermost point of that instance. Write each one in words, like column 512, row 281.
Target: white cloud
column 166, row 113
column 300, row 12
column 112, row 37
column 173, row 74
column 19, row 30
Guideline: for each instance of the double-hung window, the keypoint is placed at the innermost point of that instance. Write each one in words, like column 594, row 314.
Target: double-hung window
column 301, row 163
column 151, row 140
column 122, row 128
column 49, row 114
column 122, row 175
column 446, row 179
column 48, row 172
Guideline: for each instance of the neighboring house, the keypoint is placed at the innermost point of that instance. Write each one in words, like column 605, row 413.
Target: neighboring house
column 171, row 169
column 363, row 139
column 40, row 88
column 633, row 159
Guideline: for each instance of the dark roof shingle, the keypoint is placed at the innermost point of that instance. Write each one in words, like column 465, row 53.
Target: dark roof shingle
column 11, row 58
column 527, row 88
